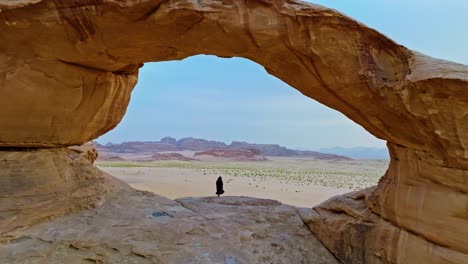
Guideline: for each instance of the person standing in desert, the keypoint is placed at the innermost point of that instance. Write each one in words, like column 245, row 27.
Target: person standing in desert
column 219, row 186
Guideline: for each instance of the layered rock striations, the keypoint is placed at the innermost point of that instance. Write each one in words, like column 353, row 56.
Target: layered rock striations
column 67, row 69
column 43, row 184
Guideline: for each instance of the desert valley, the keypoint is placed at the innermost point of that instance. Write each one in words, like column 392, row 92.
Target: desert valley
column 189, row 167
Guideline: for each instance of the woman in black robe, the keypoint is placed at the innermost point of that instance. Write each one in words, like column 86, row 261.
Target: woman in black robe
column 219, row 186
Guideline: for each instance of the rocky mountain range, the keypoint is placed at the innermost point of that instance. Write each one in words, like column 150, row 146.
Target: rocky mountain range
column 232, row 154
column 169, row 144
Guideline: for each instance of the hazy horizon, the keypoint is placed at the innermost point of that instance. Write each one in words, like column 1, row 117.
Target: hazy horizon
column 230, row 142
column 236, row 100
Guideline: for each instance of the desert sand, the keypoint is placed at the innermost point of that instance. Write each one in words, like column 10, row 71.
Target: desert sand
column 288, row 180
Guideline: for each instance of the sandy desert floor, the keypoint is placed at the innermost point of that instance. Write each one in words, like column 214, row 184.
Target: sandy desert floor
column 299, row 182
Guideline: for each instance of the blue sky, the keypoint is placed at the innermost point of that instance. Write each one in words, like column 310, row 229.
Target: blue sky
column 235, row 99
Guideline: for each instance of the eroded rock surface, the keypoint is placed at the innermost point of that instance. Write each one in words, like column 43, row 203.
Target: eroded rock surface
column 355, row 234
column 416, row 214
column 67, row 69
column 141, row 227
column 40, row 185
column 87, row 151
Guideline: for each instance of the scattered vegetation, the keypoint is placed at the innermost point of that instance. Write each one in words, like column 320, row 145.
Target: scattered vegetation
column 353, row 175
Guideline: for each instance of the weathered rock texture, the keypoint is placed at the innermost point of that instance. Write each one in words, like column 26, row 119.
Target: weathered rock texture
column 39, row 185
column 67, row 69
column 87, row 151
column 140, row 227
column 416, row 214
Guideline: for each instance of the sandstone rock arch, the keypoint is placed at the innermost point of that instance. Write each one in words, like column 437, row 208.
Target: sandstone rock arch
column 67, row 69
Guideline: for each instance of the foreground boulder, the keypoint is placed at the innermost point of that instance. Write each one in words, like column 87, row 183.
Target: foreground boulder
column 109, row 222
column 43, row 184
column 416, row 214
column 67, row 69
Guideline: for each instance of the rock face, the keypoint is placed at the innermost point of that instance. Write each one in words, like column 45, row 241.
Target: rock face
column 40, row 185
column 355, row 234
column 417, row 213
column 67, row 69
column 140, row 227
column 87, row 151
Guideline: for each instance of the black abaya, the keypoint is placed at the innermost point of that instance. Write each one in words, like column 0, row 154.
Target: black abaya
column 219, row 186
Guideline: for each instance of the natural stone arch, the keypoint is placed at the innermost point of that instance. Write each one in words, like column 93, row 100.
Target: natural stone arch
column 68, row 68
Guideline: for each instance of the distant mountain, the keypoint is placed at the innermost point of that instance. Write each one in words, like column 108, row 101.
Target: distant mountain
column 232, row 154
column 359, row 152
column 280, row 151
column 197, row 144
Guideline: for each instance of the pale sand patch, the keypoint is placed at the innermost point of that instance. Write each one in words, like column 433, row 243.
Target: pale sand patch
column 177, row 182
column 295, row 181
